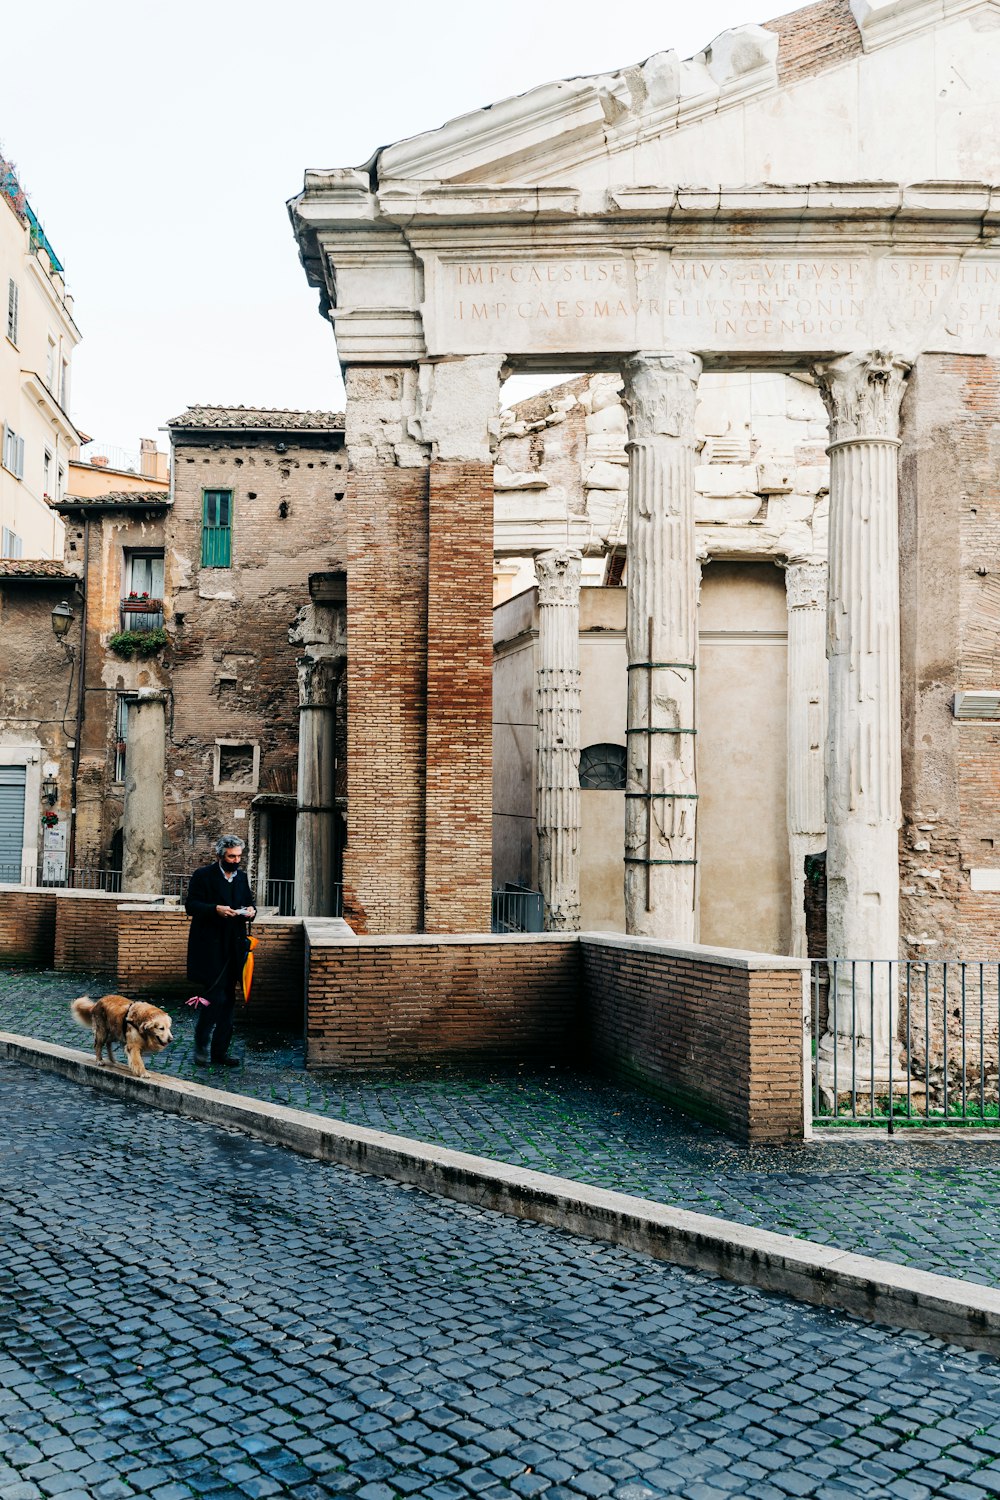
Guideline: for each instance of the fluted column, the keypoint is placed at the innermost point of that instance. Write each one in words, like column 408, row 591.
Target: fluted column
column 558, row 718
column 661, row 640
column 315, row 833
column 805, row 594
column 862, row 393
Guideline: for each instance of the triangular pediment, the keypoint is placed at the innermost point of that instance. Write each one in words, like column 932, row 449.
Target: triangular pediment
column 842, row 90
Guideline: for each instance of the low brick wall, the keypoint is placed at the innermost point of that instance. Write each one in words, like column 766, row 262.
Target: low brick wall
column 379, row 1001
column 717, row 1033
column 152, row 961
column 152, row 951
column 87, row 929
column 27, row 925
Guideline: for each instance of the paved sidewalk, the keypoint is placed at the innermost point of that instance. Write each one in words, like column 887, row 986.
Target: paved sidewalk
column 187, row 1312
column 933, row 1205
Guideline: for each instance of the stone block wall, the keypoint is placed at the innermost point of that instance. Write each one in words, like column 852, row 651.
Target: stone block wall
column 720, row 1035
column 381, row 1002
column 27, row 925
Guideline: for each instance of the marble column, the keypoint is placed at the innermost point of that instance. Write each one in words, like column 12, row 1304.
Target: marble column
column 862, row 393
column 315, row 815
column 805, row 593
column 661, row 640
column 142, row 820
column 558, row 718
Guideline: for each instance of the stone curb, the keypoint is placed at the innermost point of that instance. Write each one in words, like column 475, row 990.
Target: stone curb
column 957, row 1311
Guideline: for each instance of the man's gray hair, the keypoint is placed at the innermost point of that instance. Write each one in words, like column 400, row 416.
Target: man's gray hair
column 228, row 841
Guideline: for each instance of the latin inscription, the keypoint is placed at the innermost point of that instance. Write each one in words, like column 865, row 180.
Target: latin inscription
column 661, row 300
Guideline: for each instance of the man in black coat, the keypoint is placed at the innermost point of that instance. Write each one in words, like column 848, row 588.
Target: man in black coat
column 219, row 903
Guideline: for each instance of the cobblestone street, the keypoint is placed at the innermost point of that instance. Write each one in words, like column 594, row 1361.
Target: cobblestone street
column 935, row 1205
column 186, row 1312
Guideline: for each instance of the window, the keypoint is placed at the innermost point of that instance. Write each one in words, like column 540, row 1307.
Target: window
column 50, row 365
column 11, row 544
column 13, row 452
column 142, row 582
column 237, row 766
column 47, row 475
column 216, row 529
column 602, row 768
column 13, row 297
column 121, row 732
column 60, row 482
column 64, row 386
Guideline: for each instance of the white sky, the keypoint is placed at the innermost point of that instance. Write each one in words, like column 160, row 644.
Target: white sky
column 158, row 144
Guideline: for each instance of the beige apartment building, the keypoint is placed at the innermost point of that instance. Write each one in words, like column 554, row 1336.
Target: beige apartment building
column 36, row 352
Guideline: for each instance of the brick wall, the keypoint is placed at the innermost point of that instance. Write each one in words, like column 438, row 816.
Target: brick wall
column 152, row 951
column 378, row 1003
column 719, row 1037
column 387, row 693
column 152, row 961
column 27, row 925
column 459, row 800
column 87, row 931
column 813, row 38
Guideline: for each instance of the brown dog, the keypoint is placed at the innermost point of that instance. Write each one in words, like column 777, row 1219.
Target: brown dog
column 139, row 1027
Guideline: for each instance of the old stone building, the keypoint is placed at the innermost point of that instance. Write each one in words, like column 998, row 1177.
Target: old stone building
column 812, row 197
column 197, row 619
column 761, row 489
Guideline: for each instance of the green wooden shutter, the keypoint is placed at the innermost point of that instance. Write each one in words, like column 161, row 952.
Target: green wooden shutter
column 217, row 529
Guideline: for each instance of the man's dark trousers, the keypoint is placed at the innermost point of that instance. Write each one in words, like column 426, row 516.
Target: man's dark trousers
column 215, row 1020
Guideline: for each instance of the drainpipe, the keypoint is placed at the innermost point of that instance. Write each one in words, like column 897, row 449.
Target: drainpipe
column 80, row 700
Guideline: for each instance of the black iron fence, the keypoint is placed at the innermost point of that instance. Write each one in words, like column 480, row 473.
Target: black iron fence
column 277, row 895
column 516, row 909
column 905, row 1043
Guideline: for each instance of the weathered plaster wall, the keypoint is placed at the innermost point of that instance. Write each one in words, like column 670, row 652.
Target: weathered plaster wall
column 950, row 628
column 743, row 838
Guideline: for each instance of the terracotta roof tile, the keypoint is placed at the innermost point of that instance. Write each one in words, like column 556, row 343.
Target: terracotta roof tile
column 35, row 567
column 114, row 500
column 236, row 418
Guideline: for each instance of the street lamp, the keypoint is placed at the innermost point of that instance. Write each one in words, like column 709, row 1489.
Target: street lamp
column 62, row 619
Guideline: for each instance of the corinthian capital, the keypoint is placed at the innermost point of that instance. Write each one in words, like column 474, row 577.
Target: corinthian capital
column 660, row 393
column 805, row 585
column 862, row 393
column 558, row 574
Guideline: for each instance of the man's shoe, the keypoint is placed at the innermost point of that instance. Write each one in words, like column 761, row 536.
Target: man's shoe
column 226, row 1062
column 201, row 1059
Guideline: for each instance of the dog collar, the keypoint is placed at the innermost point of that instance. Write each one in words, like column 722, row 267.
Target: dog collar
column 126, row 1018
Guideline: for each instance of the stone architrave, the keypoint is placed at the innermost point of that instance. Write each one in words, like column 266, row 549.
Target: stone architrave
column 142, row 820
column 558, row 717
column 805, row 593
column 661, row 640
column 315, row 814
column 862, row 393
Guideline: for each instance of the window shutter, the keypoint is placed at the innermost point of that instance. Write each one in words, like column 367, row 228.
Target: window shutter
column 12, row 301
column 19, row 470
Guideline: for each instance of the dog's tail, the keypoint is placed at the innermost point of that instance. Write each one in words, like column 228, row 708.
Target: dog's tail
column 83, row 1010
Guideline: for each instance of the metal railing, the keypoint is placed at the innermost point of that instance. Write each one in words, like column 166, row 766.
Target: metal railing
column 54, row 876
column 905, row 1042
column 517, row 909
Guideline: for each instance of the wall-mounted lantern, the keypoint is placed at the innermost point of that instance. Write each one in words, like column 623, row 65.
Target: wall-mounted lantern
column 62, row 619
column 50, row 791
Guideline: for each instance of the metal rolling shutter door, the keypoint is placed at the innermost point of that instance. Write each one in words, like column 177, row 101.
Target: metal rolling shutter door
column 11, row 821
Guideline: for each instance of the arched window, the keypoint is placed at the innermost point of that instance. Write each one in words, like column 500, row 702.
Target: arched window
column 602, row 768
